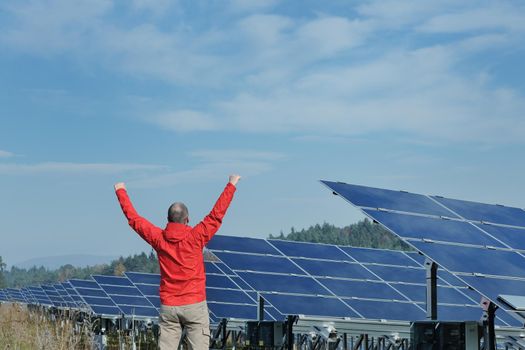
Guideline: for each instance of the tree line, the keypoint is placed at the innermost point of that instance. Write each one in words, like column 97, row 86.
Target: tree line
column 361, row 234
column 364, row 233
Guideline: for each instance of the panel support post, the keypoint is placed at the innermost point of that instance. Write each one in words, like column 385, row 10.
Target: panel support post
column 489, row 314
column 260, row 308
column 290, row 320
column 431, row 276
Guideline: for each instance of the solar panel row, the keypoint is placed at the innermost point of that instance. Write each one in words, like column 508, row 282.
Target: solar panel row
column 331, row 281
column 317, row 280
column 480, row 244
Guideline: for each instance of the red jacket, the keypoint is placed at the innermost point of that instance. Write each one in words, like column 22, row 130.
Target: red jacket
column 179, row 249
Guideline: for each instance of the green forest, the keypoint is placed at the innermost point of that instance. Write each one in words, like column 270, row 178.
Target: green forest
column 361, row 234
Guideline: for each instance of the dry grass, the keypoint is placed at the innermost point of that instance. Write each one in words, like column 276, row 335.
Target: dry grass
column 21, row 328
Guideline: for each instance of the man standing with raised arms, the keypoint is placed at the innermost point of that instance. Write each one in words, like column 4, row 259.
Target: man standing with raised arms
column 182, row 277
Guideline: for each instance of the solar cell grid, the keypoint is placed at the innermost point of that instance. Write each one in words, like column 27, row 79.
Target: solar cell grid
column 399, row 275
column 309, row 250
column 509, row 236
column 484, row 212
column 54, row 296
column 95, row 298
column 381, row 198
column 261, row 263
column 334, row 269
column 475, row 260
column 471, row 251
column 436, row 229
column 379, row 256
column 40, row 296
column 244, row 245
column 143, row 278
column 112, row 280
column 228, row 296
column 283, row 283
column 361, row 289
column 310, row 305
column 389, row 310
column 72, row 293
column 126, row 296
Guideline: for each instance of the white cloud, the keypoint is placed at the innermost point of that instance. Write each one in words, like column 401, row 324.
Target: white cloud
column 212, row 162
column 234, row 155
column 52, row 26
column 156, row 7
column 5, row 154
column 247, row 6
column 496, row 16
column 324, row 74
column 78, row 168
column 186, row 120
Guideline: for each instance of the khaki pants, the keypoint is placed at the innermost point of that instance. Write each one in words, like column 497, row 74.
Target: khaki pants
column 194, row 318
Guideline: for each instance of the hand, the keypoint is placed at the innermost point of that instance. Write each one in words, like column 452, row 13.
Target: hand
column 119, row 186
column 234, row 179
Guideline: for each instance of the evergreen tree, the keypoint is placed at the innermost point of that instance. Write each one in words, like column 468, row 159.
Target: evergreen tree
column 361, row 234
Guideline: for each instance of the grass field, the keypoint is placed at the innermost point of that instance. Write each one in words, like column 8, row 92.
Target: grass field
column 21, row 328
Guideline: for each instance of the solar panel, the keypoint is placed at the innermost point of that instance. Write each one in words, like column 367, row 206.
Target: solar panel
column 40, row 296
column 126, row 296
column 310, row 305
column 380, row 256
column 14, row 294
column 148, row 284
column 264, row 263
column 224, row 297
column 361, row 289
column 315, row 251
column 481, row 212
column 473, row 241
column 53, row 295
column 388, row 310
column 95, row 298
column 334, row 269
column 245, row 245
column 508, row 236
column 433, row 229
column 28, row 296
column 3, row 296
column 72, row 294
column 365, row 281
column 64, row 295
column 369, row 197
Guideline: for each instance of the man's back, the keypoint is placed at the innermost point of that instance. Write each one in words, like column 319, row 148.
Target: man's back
column 179, row 249
column 183, row 279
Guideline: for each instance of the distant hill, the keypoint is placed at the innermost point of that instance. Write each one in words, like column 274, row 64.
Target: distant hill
column 76, row 260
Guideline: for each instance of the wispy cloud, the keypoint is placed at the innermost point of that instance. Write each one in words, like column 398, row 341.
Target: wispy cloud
column 6, row 154
column 212, row 162
column 324, row 73
column 82, row 168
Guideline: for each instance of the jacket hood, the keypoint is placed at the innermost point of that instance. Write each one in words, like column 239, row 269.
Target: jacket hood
column 175, row 232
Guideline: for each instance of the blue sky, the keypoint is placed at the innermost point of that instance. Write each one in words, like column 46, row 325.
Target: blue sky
column 172, row 96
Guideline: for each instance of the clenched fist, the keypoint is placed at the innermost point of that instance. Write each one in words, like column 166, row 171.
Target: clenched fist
column 234, row 179
column 119, row 186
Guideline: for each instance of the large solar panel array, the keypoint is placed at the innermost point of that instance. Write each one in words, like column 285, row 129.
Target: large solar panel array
column 315, row 280
column 321, row 280
column 483, row 245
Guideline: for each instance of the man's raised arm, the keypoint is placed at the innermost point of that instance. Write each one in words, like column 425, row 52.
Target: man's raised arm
column 149, row 232
column 205, row 229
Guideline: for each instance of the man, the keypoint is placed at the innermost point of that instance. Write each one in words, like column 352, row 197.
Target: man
column 182, row 278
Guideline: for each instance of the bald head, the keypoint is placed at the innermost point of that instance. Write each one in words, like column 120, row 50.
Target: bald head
column 178, row 212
